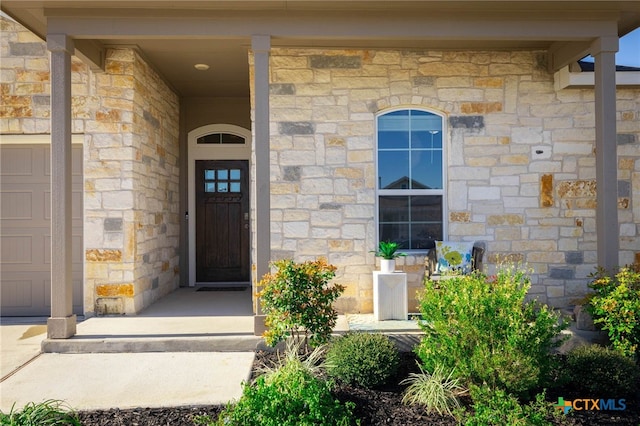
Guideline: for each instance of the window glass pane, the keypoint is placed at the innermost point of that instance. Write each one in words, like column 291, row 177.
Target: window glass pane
column 396, row 232
column 426, row 169
column 235, row 186
column 424, row 235
column 207, row 139
column 394, row 209
column 228, row 138
column 425, row 208
column 209, row 174
column 209, row 187
column 223, row 174
column 223, row 187
column 393, row 169
column 391, row 140
column 234, row 174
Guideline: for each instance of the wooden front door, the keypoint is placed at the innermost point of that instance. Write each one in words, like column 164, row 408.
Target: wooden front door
column 222, row 221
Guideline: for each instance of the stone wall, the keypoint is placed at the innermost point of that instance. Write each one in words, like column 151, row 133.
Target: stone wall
column 520, row 174
column 129, row 118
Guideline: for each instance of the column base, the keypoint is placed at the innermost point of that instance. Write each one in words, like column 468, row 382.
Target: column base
column 259, row 326
column 61, row 327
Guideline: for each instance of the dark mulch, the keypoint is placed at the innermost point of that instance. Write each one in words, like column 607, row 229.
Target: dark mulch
column 374, row 407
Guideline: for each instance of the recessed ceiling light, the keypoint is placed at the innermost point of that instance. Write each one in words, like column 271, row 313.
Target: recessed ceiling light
column 201, row 67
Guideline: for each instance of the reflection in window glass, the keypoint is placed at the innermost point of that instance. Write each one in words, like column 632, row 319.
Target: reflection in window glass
column 223, row 187
column 209, row 187
column 410, row 166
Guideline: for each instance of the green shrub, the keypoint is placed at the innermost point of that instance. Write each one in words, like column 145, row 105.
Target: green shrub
column 499, row 408
column 47, row 413
column 595, row 371
column 615, row 306
column 288, row 396
column 363, row 359
column 298, row 301
column 437, row 391
column 485, row 332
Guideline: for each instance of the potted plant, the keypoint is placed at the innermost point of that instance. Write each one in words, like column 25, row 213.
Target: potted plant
column 388, row 252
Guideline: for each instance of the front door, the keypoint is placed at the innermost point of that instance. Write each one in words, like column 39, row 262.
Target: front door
column 222, row 221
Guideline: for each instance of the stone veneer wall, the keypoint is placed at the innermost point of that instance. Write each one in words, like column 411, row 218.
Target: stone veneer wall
column 521, row 167
column 129, row 118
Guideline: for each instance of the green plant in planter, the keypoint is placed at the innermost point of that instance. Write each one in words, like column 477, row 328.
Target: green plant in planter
column 388, row 250
column 298, row 301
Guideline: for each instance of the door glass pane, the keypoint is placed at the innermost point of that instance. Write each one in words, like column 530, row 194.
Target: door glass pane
column 235, row 186
column 223, row 187
column 223, row 174
column 234, row 174
column 209, row 174
column 209, row 187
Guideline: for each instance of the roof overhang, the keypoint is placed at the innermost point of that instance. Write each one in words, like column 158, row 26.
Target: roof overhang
column 173, row 35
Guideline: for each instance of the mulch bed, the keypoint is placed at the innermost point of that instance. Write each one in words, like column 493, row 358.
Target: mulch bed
column 374, row 407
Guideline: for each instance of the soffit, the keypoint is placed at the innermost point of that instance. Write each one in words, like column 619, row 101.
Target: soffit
column 303, row 23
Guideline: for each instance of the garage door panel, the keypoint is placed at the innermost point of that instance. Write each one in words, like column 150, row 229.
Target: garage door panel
column 25, row 235
column 16, row 250
column 16, row 161
column 17, row 205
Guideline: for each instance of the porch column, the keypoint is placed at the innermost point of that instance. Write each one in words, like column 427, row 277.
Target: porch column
column 62, row 323
column 603, row 50
column 261, row 44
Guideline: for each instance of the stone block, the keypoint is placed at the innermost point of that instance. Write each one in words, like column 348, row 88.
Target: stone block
column 467, row 122
column 109, row 306
column 584, row 320
column 335, row 61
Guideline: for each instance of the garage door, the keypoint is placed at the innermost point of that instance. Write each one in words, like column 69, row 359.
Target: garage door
column 25, row 228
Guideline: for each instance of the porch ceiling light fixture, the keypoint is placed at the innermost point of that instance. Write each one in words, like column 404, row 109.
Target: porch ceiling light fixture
column 201, row 67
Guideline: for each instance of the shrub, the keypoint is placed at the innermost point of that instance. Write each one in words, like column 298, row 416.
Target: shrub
column 50, row 412
column 288, row 396
column 615, row 306
column 595, row 371
column 498, row 408
column 298, row 301
column 485, row 332
column 437, row 391
column 363, row 359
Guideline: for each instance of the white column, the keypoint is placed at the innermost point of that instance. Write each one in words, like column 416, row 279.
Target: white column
column 261, row 45
column 607, row 230
column 62, row 323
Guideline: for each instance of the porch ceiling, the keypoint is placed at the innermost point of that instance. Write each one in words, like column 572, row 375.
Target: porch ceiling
column 175, row 35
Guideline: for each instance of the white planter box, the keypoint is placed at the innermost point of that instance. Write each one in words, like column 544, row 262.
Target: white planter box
column 390, row 296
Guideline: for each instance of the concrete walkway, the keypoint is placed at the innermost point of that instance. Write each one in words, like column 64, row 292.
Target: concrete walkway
column 164, row 357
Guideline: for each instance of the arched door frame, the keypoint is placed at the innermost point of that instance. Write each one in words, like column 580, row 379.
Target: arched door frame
column 209, row 152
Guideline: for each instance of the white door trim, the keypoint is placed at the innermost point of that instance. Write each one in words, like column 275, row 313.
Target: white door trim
column 209, row 152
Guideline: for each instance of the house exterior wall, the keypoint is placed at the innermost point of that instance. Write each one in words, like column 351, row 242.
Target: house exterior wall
column 520, row 163
column 129, row 118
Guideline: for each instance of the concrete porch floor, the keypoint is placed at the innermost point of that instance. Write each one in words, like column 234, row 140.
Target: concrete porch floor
column 188, row 320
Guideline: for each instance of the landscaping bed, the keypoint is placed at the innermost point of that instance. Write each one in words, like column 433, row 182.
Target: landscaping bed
column 373, row 406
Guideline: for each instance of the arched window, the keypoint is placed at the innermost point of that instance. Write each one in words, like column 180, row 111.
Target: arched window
column 410, row 166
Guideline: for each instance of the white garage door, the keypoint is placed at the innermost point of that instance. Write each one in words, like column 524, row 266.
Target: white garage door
column 25, row 228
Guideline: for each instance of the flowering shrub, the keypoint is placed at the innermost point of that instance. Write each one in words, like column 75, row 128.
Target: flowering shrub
column 298, row 301
column 484, row 330
column 615, row 306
